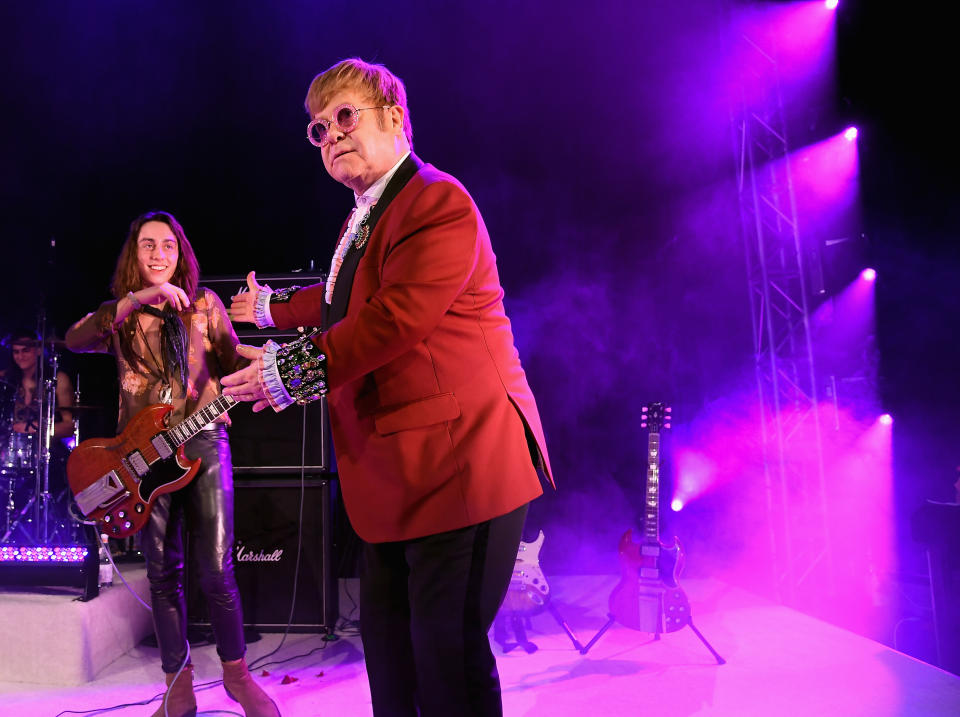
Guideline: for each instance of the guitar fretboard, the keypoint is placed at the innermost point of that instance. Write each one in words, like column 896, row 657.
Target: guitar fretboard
column 651, row 522
column 189, row 427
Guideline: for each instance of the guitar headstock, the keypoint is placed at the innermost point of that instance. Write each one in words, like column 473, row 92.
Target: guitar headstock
column 655, row 417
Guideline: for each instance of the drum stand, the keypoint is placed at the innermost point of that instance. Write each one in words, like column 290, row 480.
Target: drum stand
column 11, row 522
column 34, row 523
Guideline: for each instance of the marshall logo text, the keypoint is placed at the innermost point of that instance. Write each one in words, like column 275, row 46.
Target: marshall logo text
column 247, row 556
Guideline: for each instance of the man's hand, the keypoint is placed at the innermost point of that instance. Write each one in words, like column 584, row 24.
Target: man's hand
column 244, row 385
column 156, row 294
column 241, row 304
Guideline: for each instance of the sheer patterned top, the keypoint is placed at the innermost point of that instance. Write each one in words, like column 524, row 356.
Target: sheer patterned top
column 211, row 353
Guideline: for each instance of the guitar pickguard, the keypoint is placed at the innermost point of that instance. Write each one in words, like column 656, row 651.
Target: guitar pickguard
column 528, row 592
column 162, row 472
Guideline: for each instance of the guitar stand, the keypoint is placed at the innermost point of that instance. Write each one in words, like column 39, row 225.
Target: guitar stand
column 520, row 623
column 656, row 636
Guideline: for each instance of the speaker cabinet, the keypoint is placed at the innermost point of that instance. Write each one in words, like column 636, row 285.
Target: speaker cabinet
column 277, row 442
column 271, row 514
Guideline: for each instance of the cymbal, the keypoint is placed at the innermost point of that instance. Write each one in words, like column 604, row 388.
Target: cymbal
column 50, row 341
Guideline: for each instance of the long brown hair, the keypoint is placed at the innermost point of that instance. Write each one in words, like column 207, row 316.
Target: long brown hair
column 127, row 276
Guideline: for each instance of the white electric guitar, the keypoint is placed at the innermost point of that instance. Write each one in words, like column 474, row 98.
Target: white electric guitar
column 528, row 592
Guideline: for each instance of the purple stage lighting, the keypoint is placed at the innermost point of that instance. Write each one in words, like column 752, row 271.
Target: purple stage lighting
column 67, row 565
column 826, row 184
column 798, row 35
column 832, row 4
column 868, row 274
column 676, row 505
column 850, row 134
column 886, row 419
column 42, row 554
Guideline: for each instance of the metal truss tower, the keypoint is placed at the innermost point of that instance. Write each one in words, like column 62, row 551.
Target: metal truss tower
column 779, row 287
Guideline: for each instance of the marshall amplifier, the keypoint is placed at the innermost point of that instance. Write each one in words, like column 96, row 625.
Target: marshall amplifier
column 227, row 286
column 275, row 442
column 267, row 526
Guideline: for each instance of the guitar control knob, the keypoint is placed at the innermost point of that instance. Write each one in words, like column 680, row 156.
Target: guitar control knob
column 127, row 525
column 116, row 530
column 107, row 518
column 139, row 507
column 121, row 514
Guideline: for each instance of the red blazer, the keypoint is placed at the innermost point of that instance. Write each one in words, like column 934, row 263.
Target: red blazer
column 430, row 407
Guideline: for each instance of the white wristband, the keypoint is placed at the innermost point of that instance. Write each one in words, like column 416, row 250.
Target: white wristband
column 134, row 300
column 261, row 308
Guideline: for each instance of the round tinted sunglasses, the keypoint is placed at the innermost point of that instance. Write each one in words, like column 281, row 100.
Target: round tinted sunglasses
column 345, row 117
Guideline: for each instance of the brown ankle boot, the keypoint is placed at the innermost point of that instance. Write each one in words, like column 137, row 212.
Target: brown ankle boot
column 179, row 701
column 240, row 687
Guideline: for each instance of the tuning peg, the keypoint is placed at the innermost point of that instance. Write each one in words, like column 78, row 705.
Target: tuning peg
column 668, row 409
column 644, row 409
column 666, row 425
column 643, row 425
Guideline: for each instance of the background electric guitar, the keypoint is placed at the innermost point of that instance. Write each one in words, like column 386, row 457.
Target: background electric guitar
column 648, row 594
column 528, row 592
column 116, row 481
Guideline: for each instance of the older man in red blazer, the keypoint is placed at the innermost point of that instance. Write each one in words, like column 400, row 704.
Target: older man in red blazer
column 438, row 441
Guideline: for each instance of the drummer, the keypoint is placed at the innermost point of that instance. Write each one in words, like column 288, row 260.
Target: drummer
column 23, row 375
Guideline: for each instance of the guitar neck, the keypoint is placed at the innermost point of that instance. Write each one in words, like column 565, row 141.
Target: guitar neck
column 651, row 511
column 191, row 426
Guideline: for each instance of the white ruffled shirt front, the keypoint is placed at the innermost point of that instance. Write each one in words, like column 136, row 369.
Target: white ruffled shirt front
column 270, row 380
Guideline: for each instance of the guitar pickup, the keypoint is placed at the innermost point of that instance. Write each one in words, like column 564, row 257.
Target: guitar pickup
column 102, row 493
column 159, row 442
column 138, row 463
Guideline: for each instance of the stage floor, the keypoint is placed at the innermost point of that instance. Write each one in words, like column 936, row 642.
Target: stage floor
column 779, row 662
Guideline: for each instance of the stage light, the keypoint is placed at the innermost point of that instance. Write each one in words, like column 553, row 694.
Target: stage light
column 64, row 565
column 676, row 505
column 868, row 274
column 850, row 134
column 43, row 553
column 832, row 4
column 886, row 419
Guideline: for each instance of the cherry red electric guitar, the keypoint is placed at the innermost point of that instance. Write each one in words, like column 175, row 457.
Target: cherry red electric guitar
column 116, row 481
column 648, row 595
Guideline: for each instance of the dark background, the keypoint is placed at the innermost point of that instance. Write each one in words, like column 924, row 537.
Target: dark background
column 597, row 142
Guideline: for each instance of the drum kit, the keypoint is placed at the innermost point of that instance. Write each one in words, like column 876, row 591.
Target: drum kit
column 36, row 506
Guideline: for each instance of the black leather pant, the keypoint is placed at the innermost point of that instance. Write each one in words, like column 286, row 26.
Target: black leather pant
column 205, row 509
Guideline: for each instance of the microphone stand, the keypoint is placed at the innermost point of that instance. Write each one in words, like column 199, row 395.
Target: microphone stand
column 48, row 406
column 47, row 396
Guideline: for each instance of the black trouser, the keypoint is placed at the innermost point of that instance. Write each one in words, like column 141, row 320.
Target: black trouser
column 425, row 608
column 205, row 509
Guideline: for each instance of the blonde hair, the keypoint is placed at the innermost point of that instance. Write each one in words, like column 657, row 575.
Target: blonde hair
column 384, row 87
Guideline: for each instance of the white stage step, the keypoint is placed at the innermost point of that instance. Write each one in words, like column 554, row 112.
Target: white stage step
column 51, row 638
